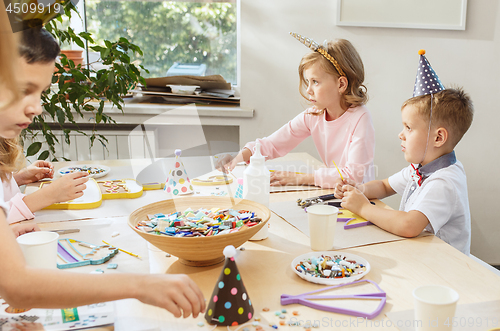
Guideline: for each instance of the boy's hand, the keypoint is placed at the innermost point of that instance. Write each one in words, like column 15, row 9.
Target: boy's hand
column 38, row 170
column 353, row 199
column 67, row 188
column 178, row 294
column 340, row 184
column 22, row 228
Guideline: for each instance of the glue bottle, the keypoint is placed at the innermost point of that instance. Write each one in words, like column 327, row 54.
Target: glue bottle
column 256, row 178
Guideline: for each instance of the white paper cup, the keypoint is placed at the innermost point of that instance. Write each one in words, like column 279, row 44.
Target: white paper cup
column 322, row 224
column 39, row 249
column 434, row 307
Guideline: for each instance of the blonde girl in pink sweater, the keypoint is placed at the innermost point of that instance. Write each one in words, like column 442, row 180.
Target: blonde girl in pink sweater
column 331, row 79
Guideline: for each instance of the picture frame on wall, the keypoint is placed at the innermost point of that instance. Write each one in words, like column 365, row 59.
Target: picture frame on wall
column 412, row 14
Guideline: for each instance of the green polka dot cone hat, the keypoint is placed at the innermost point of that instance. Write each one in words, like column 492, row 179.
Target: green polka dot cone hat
column 427, row 81
column 229, row 304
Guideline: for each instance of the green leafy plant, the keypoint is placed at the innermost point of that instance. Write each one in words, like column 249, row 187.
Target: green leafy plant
column 82, row 89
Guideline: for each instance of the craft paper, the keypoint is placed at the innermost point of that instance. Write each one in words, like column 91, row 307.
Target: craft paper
column 344, row 238
column 96, row 230
column 57, row 319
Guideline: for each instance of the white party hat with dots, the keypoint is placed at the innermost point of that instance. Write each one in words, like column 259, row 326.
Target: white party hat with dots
column 178, row 182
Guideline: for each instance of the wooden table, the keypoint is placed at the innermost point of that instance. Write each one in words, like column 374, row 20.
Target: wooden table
column 398, row 267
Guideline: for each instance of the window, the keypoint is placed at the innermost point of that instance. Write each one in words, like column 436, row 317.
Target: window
column 171, row 33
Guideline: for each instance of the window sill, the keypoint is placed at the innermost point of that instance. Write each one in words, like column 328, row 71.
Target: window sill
column 203, row 110
column 135, row 113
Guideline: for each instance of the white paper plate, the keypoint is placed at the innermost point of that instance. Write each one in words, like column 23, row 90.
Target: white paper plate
column 93, row 167
column 330, row 281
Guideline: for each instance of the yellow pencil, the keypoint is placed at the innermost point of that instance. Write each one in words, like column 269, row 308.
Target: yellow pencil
column 124, row 251
column 337, row 169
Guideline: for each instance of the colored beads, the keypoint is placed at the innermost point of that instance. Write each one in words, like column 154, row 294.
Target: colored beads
column 115, row 186
column 199, row 223
column 326, row 266
column 88, row 169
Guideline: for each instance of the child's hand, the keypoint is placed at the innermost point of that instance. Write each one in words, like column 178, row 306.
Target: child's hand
column 228, row 162
column 282, row 178
column 178, row 294
column 38, row 170
column 339, row 186
column 22, row 228
column 66, row 188
column 28, row 326
column 353, row 199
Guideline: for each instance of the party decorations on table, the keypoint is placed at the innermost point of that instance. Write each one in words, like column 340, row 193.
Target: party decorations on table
column 76, row 253
column 362, row 298
column 201, row 250
column 96, row 191
column 178, row 182
column 120, row 189
column 330, row 267
column 229, row 304
column 94, row 171
column 239, row 190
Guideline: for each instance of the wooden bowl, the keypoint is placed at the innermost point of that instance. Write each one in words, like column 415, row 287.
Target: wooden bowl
column 199, row 251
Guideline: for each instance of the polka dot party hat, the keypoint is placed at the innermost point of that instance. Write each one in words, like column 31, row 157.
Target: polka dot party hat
column 427, row 81
column 178, row 182
column 229, row 304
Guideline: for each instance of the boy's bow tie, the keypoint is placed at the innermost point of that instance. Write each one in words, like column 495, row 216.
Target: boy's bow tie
column 416, row 175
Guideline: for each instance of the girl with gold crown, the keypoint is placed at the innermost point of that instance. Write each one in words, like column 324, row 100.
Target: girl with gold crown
column 331, row 79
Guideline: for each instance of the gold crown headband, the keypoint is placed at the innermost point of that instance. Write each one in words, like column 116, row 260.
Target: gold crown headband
column 317, row 48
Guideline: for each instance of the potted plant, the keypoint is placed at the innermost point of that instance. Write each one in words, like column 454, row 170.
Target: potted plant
column 82, row 89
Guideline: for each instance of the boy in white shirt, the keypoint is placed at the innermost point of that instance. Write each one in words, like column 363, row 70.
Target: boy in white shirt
column 434, row 186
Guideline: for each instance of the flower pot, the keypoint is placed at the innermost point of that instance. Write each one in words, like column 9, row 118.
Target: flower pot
column 75, row 55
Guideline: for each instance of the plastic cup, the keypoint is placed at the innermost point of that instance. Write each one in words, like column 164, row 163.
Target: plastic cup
column 322, row 224
column 434, row 307
column 39, row 249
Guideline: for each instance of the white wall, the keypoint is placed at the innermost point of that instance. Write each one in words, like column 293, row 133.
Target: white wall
column 470, row 58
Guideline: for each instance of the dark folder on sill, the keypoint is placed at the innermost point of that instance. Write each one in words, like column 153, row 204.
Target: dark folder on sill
column 212, row 82
column 213, row 90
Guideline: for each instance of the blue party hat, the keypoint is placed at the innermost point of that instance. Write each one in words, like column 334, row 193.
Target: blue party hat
column 427, row 81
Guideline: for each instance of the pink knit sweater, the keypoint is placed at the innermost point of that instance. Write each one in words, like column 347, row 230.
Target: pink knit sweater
column 349, row 140
column 18, row 211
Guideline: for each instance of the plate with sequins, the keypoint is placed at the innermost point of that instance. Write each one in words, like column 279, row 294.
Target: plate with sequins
column 94, row 171
column 330, row 267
